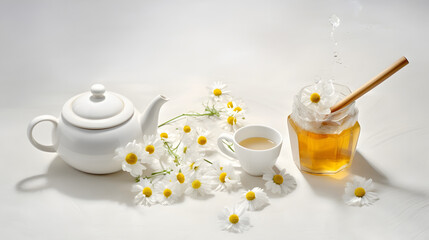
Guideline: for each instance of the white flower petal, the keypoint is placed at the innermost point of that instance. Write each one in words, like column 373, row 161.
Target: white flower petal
column 358, row 182
column 243, row 223
column 136, row 188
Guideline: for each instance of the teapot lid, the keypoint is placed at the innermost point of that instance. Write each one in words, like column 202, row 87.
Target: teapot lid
column 97, row 109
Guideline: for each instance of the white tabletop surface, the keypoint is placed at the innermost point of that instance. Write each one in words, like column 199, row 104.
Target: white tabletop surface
column 265, row 51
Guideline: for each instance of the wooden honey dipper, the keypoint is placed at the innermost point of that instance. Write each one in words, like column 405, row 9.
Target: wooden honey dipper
column 400, row 63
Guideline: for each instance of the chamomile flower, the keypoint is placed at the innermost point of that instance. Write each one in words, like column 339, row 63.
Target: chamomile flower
column 203, row 140
column 279, row 183
column 320, row 96
column 218, row 91
column 166, row 192
column 235, row 105
column 195, row 165
column 254, row 199
column 225, row 176
column 152, row 148
column 131, row 156
column 145, row 192
column 360, row 192
column 234, row 219
column 167, row 136
column 186, row 131
column 187, row 152
column 199, row 186
column 231, row 121
column 170, row 158
column 179, row 179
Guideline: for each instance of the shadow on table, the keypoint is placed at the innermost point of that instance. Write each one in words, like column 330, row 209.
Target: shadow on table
column 71, row 182
column 333, row 185
column 249, row 181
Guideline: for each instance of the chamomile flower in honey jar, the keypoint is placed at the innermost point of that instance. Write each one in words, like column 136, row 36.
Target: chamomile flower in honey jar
column 320, row 96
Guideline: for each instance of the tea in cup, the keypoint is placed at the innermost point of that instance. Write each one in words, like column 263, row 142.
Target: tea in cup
column 256, row 147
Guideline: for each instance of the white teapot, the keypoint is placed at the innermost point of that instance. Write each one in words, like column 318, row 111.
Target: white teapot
column 93, row 124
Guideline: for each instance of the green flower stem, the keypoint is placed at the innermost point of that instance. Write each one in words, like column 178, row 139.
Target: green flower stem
column 172, row 153
column 174, row 149
column 229, row 145
column 209, row 111
column 164, row 172
column 154, row 174
column 187, row 115
column 207, row 161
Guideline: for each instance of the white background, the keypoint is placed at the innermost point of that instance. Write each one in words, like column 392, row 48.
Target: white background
column 265, row 51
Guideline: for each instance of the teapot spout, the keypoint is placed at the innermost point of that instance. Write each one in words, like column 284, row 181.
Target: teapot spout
column 149, row 119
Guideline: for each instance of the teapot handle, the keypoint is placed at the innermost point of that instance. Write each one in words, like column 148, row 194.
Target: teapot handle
column 33, row 123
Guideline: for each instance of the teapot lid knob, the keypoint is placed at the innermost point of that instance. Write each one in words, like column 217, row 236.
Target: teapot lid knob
column 98, row 90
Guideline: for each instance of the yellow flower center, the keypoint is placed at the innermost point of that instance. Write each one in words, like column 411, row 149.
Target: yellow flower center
column 237, row 109
column 131, row 158
column 222, row 177
column 231, row 120
column 185, row 149
column 250, row 195
column 163, row 135
column 196, row 184
column 234, row 218
column 278, row 179
column 150, row 149
column 217, row 92
column 167, row 192
column 186, row 129
column 202, row 140
column 147, row 191
column 315, row 97
column 191, row 166
column 359, row 192
column 229, row 105
column 180, row 177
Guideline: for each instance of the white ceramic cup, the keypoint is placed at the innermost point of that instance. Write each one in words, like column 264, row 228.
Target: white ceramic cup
column 254, row 162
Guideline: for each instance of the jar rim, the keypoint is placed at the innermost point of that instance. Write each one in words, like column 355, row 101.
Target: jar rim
column 344, row 109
